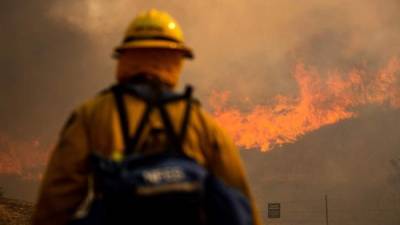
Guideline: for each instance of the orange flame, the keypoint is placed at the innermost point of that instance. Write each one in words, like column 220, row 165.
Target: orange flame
column 320, row 102
column 25, row 159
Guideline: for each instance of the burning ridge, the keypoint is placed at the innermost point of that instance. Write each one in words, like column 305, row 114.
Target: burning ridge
column 321, row 100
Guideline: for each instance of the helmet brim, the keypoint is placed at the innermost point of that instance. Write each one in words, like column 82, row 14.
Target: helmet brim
column 156, row 44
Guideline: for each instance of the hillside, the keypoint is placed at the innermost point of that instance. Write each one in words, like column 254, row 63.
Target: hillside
column 350, row 161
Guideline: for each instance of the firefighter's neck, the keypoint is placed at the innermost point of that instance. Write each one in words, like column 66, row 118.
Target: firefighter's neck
column 150, row 80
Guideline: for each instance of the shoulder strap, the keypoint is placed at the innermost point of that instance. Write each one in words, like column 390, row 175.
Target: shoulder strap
column 186, row 118
column 130, row 143
column 124, row 122
column 130, row 146
column 175, row 138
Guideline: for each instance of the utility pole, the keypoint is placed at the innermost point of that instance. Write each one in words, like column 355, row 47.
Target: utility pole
column 326, row 210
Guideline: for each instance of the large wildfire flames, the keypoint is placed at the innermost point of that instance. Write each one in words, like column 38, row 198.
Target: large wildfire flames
column 321, row 100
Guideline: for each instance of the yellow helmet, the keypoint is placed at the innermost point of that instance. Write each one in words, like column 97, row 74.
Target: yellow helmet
column 154, row 29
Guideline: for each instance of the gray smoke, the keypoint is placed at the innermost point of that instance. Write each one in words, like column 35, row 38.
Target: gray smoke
column 56, row 53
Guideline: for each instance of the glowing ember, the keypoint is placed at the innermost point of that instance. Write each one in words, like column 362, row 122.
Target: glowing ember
column 25, row 159
column 320, row 102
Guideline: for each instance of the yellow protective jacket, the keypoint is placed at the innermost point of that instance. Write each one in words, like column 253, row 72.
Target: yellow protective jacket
column 95, row 126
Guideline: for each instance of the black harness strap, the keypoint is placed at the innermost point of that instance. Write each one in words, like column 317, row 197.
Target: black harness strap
column 186, row 118
column 118, row 94
column 130, row 147
column 171, row 134
column 175, row 139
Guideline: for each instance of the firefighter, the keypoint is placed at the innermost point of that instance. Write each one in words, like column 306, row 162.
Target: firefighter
column 153, row 50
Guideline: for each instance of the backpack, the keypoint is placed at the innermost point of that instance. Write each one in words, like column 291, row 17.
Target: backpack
column 162, row 188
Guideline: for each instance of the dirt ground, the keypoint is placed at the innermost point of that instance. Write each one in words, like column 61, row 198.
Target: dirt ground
column 15, row 212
